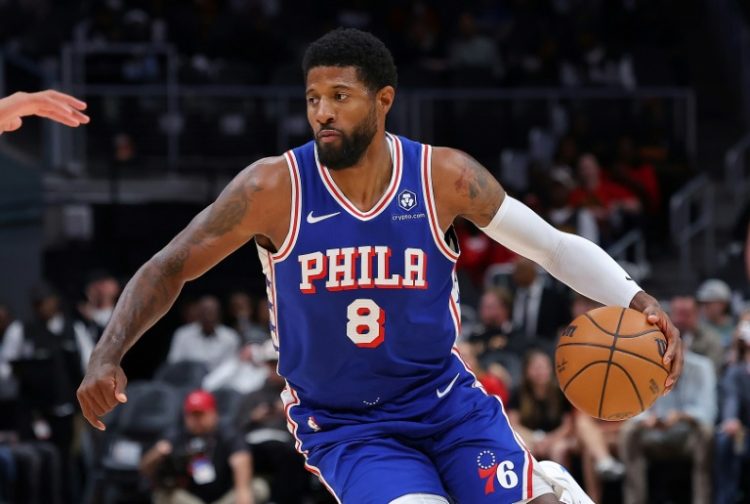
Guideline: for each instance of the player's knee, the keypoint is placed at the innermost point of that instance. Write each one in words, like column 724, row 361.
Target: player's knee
column 420, row 499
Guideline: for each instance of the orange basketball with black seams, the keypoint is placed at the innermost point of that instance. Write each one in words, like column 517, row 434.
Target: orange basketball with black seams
column 608, row 362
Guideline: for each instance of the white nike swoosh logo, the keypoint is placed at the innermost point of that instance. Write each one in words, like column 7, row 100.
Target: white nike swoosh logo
column 311, row 219
column 441, row 393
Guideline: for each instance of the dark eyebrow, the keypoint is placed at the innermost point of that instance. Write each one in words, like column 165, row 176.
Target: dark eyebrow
column 335, row 87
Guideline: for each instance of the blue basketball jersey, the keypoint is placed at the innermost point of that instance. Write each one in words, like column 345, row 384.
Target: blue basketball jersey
column 364, row 311
column 364, row 305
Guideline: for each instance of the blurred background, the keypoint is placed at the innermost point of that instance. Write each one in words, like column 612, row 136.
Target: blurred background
column 625, row 121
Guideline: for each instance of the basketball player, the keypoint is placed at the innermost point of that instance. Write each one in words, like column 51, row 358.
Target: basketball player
column 50, row 104
column 354, row 231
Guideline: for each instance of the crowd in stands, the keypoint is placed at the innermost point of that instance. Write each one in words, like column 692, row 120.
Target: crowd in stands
column 211, row 422
column 520, row 42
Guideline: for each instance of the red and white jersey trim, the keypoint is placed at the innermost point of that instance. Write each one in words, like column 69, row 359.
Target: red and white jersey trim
column 429, row 197
column 396, row 155
column 296, row 206
column 290, row 399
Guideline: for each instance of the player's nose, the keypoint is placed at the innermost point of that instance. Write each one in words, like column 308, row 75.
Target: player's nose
column 325, row 113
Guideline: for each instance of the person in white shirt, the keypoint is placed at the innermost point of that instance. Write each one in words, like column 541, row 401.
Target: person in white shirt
column 206, row 340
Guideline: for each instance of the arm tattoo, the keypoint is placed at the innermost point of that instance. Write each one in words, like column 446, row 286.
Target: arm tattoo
column 223, row 216
column 156, row 285
column 477, row 183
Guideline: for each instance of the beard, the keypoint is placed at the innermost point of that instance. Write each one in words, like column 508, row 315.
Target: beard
column 352, row 145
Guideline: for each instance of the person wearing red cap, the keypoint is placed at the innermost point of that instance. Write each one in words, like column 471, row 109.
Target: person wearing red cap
column 201, row 463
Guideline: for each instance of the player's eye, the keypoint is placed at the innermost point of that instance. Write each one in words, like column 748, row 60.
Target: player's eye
column 311, row 100
column 340, row 96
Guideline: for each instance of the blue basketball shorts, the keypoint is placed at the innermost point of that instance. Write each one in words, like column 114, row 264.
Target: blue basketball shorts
column 461, row 448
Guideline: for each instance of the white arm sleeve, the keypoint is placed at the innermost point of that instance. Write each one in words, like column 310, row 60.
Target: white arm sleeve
column 573, row 260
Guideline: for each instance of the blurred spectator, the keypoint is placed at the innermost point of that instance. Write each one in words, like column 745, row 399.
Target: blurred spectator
column 715, row 299
column 49, row 354
column 478, row 252
column 6, row 319
column 742, row 324
column 637, row 176
column 596, row 444
column 242, row 317
column 200, row 462
column 613, row 206
column 472, row 49
column 497, row 330
column 564, row 216
column 242, row 372
column 102, row 291
column 733, row 436
column 538, row 310
column 567, row 153
column 678, row 425
column 264, row 419
column 189, row 310
column 7, row 383
column 684, row 313
column 205, row 340
column 497, row 382
column 540, row 413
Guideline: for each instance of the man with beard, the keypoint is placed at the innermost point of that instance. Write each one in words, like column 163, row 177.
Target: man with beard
column 354, row 231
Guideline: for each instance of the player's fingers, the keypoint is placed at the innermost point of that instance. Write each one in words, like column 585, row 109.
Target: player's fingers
column 49, row 105
column 673, row 342
column 97, row 402
column 121, row 381
column 88, row 414
column 62, row 115
column 105, row 399
column 676, row 370
column 70, row 100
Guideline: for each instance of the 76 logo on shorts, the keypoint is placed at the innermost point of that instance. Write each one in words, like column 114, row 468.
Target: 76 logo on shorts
column 491, row 470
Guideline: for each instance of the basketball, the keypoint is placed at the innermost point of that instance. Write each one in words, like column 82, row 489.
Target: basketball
column 608, row 363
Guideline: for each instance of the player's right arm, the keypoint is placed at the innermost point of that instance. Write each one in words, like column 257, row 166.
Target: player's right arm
column 256, row 202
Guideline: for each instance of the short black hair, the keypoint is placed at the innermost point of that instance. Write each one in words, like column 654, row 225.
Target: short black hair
column 344, row 47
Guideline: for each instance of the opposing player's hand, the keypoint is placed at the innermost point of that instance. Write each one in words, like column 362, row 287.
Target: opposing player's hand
column 673, row 357
column 102, row 389
column 51, row 104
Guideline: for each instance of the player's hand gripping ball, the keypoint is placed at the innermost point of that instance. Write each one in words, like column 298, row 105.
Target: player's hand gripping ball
column 609, row 363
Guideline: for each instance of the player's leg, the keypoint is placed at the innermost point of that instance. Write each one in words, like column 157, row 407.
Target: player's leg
column 482, row 461
column 375, row 471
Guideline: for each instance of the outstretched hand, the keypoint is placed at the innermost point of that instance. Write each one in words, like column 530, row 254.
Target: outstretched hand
column 102, row 389
column 51, row 104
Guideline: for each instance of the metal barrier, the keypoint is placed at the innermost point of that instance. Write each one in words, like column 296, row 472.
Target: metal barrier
column 630, row 252
column 432, row 115
column 691, row 212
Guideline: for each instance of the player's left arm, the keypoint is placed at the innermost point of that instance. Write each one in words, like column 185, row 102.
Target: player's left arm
column 464, row 188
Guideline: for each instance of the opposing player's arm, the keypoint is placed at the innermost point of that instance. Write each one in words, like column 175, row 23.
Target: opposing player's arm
column 463, row 187
column 256, row 202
